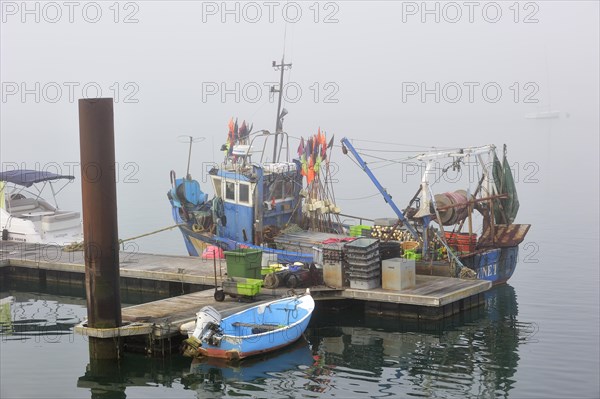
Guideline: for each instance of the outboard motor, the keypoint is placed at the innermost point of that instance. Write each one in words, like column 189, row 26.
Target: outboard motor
column 208, row 320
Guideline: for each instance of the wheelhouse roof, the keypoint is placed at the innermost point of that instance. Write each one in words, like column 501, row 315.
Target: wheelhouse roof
column 28, row 177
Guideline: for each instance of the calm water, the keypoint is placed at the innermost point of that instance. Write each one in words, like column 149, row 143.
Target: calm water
column 476, row 354
column 498, row 350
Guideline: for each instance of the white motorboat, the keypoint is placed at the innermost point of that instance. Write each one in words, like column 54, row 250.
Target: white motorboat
column 26, row 217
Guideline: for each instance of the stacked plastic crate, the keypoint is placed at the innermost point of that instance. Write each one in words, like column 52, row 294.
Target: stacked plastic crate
column 334, row 267
column 364, row 263
column 389, row 249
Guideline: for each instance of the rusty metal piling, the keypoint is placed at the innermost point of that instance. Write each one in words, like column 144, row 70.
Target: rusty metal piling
column 99, row 198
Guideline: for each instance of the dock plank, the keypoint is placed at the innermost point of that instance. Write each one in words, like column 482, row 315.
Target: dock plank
column 180, row 269
column 429, row 291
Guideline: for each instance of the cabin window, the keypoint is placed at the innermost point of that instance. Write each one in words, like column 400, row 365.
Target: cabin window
column 276, row 190
column 244, row 193
column 230, row 191
column 217, row 186
column 288, row 189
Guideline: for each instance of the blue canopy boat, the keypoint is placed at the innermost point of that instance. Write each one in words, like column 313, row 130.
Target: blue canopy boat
column 26, row 217
column 286, row 207
column 260, row 329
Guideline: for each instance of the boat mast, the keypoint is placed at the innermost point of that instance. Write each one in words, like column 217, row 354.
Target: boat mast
column 191, row 140
column 279, row 119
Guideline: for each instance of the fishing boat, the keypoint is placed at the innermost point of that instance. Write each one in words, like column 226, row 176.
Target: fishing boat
column 543, row 115
column 286, row 206
column 260, row 329
column 27, row 217
column 259, row 198
column 445, row 249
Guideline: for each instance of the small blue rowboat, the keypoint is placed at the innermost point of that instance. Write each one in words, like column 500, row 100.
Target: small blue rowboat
column 260, row 329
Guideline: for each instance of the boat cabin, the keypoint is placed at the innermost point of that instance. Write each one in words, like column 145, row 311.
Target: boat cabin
column 249, row 198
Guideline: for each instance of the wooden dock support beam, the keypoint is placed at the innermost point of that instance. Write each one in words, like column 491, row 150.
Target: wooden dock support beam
column 101, row 243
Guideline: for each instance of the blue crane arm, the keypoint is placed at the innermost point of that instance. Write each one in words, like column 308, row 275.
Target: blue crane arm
column 388, row 198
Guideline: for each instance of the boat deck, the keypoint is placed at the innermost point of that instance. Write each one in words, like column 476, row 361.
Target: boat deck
column 303, row 241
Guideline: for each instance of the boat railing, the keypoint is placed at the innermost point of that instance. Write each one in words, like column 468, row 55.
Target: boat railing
column 266, row 135
column 359, row 218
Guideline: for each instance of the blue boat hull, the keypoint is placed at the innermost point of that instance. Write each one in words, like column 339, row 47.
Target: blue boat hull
column 495, row 264
column 196, row 242
column 244, row 333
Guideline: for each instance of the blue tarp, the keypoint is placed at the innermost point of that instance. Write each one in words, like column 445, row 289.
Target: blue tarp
column 28, row 177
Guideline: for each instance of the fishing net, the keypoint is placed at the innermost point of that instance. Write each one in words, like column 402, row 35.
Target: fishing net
column 505, row 210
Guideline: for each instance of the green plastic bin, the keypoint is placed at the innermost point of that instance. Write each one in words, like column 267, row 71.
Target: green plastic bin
column 359, row 230
column 242, row 286
column 244, row 262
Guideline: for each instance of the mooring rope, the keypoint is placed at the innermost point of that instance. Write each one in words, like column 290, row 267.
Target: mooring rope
column 79, row 246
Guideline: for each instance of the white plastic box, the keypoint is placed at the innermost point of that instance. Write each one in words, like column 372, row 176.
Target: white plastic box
column 333, row 274
column 398, row 274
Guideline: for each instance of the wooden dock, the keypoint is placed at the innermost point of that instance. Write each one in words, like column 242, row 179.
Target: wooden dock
column 153, row 327
column 429, row 291
column 139, row 271
column 168, row 315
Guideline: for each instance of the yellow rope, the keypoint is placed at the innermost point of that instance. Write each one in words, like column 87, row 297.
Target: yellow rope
column 78, row 246
column 466, row 273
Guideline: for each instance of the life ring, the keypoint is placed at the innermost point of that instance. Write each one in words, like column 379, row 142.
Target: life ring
column 196, row 228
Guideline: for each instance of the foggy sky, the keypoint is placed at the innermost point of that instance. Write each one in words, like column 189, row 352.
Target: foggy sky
column 364, row 57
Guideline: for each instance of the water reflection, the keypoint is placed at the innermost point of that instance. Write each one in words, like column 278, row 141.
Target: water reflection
column 345, row 354
column 215, row 375
column 50, row 319
column 110, row 380
column 206, row 377
column 472, row 354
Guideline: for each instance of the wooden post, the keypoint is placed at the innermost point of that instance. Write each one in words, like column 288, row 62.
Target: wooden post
column 101, row 243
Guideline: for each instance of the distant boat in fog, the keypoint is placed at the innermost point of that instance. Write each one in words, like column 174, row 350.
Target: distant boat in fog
column 544, row 115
